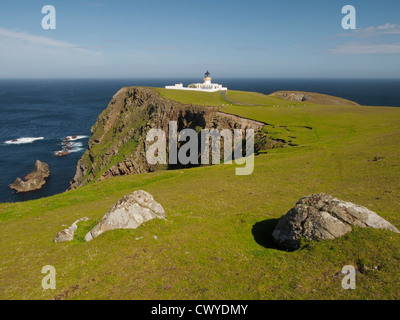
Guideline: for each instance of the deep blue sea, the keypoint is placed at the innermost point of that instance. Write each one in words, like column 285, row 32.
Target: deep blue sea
column 47, row 111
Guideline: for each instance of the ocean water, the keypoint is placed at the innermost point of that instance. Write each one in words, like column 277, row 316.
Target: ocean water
column 36, row 116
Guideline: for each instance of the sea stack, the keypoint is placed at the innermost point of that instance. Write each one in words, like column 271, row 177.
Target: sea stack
column 33, row 181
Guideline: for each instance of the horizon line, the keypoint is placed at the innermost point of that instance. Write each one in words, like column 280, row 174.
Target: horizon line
column 190, row 78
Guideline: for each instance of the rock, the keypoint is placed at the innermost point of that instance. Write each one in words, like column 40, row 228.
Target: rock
column 128, row 213
column 312, row 97
column 69, row 233
column 62, row 153
column 33, row 181
column 295, row 96
column 321, row 217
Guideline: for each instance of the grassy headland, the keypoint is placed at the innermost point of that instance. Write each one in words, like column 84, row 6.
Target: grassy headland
column 216, row 242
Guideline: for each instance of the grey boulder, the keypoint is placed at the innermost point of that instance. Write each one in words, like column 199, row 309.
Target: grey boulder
column 69, row 233
column 128, row 213
column 321, row 217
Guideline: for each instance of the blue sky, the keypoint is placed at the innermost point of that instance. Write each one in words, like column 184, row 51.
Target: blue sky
column 158, row 38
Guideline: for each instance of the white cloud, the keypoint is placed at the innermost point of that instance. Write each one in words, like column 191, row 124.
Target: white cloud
column 367, row 48
column 373, row 45
column 23, row 54
column 39, row 41
column 386, row 29
column 160, row 48
column 249, row 48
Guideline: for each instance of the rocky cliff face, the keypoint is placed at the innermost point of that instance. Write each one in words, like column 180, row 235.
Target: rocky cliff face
column 118, row 144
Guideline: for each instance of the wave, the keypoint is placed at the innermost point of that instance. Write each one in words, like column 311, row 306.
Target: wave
column 23, row 140
column 66, row 152
column 76, row 150
column 77, row 144
column 74, row 138
column 68, row 146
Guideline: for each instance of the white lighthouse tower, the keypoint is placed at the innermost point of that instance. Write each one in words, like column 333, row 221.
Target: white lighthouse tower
column 207, row 79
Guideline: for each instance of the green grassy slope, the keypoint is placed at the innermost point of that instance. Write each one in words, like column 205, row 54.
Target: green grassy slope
column 194, row 97
column 216, row 242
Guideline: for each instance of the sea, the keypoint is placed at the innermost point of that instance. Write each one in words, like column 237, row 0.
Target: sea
column 37, row 115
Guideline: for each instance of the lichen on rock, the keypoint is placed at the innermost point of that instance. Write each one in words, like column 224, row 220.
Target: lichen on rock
column 321, row 217
column 128, row 213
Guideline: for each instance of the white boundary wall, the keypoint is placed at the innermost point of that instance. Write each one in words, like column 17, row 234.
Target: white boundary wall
column 210, row 88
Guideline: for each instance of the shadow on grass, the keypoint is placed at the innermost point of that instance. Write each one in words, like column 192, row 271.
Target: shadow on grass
column 262, row 233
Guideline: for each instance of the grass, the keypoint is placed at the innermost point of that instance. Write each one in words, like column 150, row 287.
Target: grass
column 216, row 99
column 194, row 97
column 216, row 241
column 255, row 98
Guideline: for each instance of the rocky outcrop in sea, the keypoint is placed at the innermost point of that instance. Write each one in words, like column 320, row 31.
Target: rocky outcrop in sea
column 33, row 181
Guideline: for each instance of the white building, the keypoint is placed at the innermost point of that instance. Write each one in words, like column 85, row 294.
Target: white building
column 206, row 86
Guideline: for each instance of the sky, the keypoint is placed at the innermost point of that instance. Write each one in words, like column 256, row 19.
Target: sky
column 171, row 39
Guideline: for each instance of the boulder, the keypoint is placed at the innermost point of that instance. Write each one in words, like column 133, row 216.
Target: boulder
column 128, row 213
column 321, row 217
column 33, row 181
column 69, row 233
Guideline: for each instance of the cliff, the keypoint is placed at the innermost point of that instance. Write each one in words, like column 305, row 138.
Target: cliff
column 118, row 142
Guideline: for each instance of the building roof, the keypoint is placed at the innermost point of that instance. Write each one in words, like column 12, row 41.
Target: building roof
column 207, row 74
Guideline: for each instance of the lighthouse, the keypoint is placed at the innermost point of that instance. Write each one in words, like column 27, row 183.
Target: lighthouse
column 207, row 79
column 206, row 86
